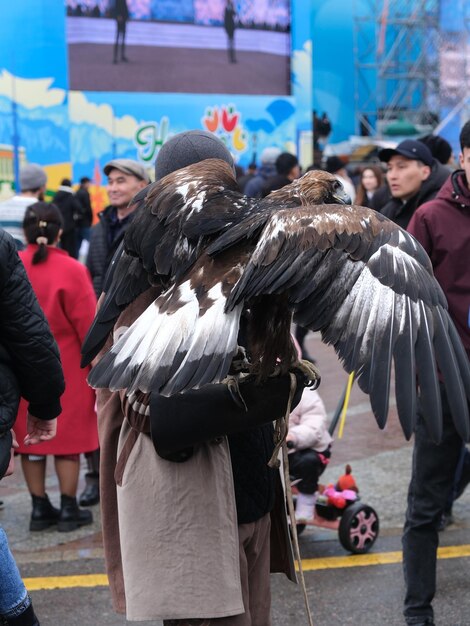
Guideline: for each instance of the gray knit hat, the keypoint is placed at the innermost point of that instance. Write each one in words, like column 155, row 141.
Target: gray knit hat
column 32, row 176
column 189, row 147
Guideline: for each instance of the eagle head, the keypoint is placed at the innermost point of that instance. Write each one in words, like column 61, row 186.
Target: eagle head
column 319, row 187
column 315, row 187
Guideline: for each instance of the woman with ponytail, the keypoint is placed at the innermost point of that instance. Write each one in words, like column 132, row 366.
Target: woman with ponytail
column 64, row 289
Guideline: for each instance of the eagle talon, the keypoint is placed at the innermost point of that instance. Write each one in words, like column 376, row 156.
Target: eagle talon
column 310, row 371
column 232, row 383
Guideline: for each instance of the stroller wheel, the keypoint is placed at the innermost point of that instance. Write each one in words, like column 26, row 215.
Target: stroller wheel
column 358, row 528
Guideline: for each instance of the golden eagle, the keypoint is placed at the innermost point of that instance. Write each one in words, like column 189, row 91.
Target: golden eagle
column 346, row 271
column 174, row 221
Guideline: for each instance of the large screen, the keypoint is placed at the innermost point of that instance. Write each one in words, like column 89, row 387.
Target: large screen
column 185, row 46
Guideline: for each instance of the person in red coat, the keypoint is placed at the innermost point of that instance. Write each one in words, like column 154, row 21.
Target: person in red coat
column 64, row 290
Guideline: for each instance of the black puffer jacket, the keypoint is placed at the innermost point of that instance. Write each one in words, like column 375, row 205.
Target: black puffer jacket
column 9, row 400
column 69, row 207
column 29, row 352
column 86, row 212
column 104, row 241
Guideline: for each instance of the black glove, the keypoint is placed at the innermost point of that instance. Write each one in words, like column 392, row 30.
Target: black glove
column 179, row 422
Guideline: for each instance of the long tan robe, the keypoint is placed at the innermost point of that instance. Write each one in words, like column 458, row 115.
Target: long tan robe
column 170, row 529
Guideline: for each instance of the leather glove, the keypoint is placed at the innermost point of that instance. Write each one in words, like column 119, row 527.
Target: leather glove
column 184, row 420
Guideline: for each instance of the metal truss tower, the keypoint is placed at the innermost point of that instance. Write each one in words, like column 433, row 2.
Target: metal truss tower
column 396, row 53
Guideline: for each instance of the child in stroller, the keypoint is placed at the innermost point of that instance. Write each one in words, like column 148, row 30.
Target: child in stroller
column 309, row 445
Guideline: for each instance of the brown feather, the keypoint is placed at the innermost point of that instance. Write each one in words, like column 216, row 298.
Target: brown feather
column 269, row 338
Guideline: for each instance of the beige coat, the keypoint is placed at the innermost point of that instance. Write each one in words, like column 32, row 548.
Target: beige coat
column 170, row 529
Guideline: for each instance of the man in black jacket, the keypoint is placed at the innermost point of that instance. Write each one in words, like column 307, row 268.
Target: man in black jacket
column 121, row 15
column 30, row 367
column 70, row 209
column 229, row 25
column 287, row 168
column 85, row 218
column 125, row 178
column 413, row 176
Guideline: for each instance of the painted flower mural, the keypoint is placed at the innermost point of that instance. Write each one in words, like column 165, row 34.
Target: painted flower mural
column 225, row 122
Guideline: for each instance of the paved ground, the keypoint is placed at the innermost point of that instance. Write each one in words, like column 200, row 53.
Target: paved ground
column 343, row 592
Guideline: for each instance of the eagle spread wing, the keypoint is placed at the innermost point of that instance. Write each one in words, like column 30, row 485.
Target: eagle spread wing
column 174, row 220
column 345, row 271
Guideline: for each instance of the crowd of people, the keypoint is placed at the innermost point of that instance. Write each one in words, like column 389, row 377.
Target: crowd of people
column 46, row 292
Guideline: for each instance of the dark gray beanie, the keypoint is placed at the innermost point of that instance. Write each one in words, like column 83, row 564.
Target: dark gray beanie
column 189, row 147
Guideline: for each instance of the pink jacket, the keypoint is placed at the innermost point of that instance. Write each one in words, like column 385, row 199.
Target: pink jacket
column 308, row 423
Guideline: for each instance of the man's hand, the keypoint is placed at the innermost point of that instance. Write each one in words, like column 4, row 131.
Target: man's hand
column 11, row 465
column 39, row 430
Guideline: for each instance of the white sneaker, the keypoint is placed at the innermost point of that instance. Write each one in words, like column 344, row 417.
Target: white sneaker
column 304, row 506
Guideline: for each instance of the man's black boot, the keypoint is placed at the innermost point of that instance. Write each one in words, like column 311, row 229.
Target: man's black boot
column 43, row 514
column 91, row 494
column 71, row 516
column 27, row 618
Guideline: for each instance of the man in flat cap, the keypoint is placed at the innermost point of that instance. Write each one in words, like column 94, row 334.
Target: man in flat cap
column 33, row 181
column 413, row 176
column 125, row 178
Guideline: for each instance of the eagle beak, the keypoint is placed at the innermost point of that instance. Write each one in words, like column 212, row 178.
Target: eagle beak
column 340, row 196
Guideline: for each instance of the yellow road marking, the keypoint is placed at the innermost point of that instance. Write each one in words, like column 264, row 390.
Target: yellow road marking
column 66, row 582
column 353, row 560
column 309, row 565
column 379, row 558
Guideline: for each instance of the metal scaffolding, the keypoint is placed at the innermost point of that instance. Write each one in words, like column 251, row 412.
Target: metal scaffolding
column 396, row 50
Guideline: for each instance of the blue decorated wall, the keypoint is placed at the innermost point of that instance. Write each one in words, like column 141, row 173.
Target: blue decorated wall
column 73, row 131
column 333, row 64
